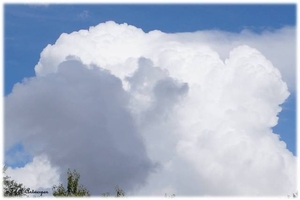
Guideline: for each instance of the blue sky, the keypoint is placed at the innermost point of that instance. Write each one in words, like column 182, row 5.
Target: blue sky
column 29, row 28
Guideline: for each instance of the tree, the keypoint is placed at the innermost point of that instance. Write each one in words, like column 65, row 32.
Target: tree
column 169, row 196
column 73, row 189
column 119, row 192
column 294, row 195
column 11, row 187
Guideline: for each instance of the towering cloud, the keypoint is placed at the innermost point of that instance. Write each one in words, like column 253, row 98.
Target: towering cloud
column 78, row 118
column 156, row 112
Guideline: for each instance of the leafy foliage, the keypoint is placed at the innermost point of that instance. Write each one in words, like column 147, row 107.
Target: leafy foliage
column 295, row 195
column 169, row 196
column 119, row 192
column 11, row 187
column 73, row 189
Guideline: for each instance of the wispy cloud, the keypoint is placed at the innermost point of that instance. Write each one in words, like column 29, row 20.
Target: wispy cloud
column 83, row 15
column 34, row 13
column 37, row 5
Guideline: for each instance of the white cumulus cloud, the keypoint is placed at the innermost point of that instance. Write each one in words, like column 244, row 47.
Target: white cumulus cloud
column 36, row 175
column 156, row 113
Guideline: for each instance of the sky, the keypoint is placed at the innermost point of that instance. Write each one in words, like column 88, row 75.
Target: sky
column 208, row 88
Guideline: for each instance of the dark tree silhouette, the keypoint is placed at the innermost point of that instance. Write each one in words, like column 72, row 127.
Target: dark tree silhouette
column 73, row 188
column 11, row 188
